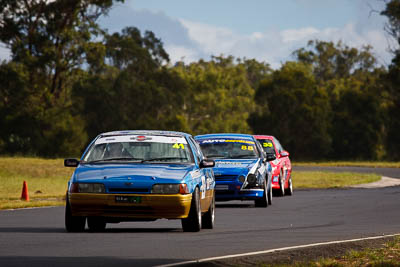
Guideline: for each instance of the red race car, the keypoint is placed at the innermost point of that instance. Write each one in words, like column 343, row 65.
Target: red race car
column 281, row 166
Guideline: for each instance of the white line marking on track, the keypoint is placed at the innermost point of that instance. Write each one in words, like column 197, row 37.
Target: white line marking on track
column 276, row 250
column 31, row 208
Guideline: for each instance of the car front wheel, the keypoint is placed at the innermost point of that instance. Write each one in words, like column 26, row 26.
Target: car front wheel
column 73, row 223
column 263, row 202
column 193, row 222
column 209, row 216
column 270, row 196
column 289, row 190
column 281, row 191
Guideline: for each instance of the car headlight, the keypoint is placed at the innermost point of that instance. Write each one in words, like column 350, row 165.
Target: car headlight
column 87, row 188
column 251, row 179
column 241, row 178
column 169, row 189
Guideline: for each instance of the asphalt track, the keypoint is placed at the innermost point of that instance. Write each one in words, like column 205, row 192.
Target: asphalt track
column 36, row 237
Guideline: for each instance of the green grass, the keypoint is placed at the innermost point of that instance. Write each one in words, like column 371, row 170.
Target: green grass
column 372, row 164
column 46, row 179
column 305, row 179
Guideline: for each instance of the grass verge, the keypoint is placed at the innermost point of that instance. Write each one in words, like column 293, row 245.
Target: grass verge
column 306, row 179
column 46, row 178
column 47, row 181
column 370, row 164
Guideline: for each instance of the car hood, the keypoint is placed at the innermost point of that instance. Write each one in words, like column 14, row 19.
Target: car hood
column 152, row 173
column 234, row 166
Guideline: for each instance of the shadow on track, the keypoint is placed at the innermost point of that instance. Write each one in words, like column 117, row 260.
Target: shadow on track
column 107, row 230
column 80, row 261
column 235, row 205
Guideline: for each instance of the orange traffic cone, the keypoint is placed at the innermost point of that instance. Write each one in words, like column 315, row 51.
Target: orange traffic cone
column 25, row 194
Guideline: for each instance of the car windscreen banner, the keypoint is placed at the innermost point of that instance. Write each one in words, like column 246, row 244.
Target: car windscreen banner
column 141, row 138
column 224, row 140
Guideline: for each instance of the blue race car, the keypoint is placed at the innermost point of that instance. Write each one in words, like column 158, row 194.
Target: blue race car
column 140, row 176
column 242, row 171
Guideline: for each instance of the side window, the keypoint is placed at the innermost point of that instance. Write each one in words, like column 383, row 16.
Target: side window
column 278, row 145
column 197, row 151
column 260, row 151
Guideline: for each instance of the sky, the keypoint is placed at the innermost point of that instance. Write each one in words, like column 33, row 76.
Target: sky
column 267, row 30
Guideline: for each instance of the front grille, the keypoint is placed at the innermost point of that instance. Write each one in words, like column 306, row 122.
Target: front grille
column 128, row 190
column 129, row 210
column 225, row 177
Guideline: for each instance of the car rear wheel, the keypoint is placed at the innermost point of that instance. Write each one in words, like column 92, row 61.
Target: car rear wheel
column 289, row 190
column 96, row 224
column 73, row 223
column 193, row 222
column 262, row 202
column 281, row 191
column 209, row 216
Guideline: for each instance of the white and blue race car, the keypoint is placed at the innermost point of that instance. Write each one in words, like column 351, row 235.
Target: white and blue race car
column 242, row 170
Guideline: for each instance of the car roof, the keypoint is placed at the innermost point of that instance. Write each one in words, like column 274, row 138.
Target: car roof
column 146, row 132
column 270, row 137
column 225, row 135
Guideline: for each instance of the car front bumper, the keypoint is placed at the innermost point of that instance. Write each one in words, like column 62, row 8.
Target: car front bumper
column 232, row 193
column 150, row 206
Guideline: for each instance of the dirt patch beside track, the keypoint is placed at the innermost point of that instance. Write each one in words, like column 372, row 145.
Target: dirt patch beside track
column 384, row 182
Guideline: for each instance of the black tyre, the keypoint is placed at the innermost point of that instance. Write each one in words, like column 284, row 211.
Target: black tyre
column 289, row 190
column 209, row 217
column 263, row 202
column 96, row 224
column 73, row 223
column 281, row 191
column 193, row 222
column 270, row 196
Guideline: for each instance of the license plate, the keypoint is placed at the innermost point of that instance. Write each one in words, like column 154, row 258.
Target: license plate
column 222, row 187
column 128, row 199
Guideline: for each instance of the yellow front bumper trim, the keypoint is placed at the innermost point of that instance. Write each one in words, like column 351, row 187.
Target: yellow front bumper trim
column 150, row 206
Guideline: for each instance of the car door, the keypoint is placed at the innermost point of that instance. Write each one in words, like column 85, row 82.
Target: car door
column 207, row 183
column 265, row 167
column 284, row 160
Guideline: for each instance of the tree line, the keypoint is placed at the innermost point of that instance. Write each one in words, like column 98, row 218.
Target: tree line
column 69, row 80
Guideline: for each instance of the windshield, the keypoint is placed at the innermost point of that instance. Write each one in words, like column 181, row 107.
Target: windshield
column 228, row 148
column 267, row 146
column 138, row 148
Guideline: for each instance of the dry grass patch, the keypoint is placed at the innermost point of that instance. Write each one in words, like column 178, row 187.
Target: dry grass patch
column 370, row 164
column 331, row 179
column 46, row 178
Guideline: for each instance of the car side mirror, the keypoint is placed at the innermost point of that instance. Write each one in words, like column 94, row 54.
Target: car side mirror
column 207, row 163
column 271, row 157
column 284, row 153
column 71, row 162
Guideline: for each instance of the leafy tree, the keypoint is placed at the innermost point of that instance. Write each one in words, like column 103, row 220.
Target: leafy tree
column 130, row 88
column 50, row 41
column 50, row 37
column 29, row 129
column 338, row 61
column 295, row 110
column 351, row 77
column 256, row 71
column 357, row 120
column 392, row 80
column 219, row 97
